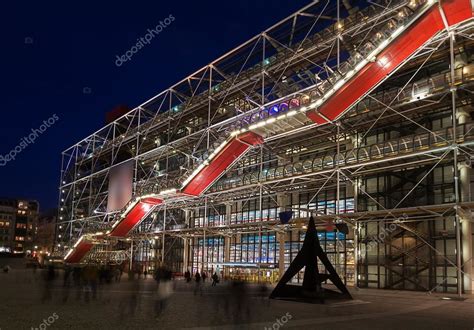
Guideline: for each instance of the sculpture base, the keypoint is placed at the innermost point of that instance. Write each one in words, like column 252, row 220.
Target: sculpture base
column 296, row 293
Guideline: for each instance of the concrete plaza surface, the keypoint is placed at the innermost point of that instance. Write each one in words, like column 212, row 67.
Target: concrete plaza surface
column 25, row 304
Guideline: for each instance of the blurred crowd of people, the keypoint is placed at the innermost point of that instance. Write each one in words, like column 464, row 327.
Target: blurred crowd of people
column 141, row 293
column 84, row 281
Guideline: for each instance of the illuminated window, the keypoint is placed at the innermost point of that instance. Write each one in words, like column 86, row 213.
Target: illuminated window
column 21, row 225
column 19, row 238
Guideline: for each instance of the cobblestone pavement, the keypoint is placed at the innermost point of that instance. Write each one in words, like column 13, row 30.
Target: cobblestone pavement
column 131, row 305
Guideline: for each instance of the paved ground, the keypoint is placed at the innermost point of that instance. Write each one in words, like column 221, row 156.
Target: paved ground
column 130, row 305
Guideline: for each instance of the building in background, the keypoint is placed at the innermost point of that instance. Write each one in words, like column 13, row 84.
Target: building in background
column 18, row 224
column 45, row 233
column 358, row 113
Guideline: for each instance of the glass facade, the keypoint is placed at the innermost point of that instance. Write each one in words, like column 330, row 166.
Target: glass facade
column 397, row 257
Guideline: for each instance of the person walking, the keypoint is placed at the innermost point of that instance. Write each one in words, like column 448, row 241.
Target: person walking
column 215, row 279
column 164, row 291
column 187, row 276
column 204, row 277
column 197, row 278
column 48, row 285
column 66, row 283
column 117, row 274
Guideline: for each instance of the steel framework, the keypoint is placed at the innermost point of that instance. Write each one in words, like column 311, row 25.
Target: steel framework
column 351, row 126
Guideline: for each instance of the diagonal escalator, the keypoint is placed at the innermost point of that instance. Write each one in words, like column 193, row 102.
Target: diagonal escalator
column 359, row 75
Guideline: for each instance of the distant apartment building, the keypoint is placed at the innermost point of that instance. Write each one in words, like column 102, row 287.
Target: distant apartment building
column 18, row 224
column 44, row 239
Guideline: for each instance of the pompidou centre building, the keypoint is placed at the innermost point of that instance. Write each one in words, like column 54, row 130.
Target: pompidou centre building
column 357, row 115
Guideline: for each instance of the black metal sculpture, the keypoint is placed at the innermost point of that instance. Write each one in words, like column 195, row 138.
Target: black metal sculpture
column 311, row 291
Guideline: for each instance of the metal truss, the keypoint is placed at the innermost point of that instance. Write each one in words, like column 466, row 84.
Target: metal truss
column 388, row 132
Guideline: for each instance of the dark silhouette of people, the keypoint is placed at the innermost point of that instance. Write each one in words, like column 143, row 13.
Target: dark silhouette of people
column 117, row 274
column 215, row 279
column 263, row 293
column 66, row 282
column 187, row 276
column 131, row 300
column 197, row 287
column 90, row 276
column 164, row 290
column 239, row 305
column 49, row 278
column 76, row 280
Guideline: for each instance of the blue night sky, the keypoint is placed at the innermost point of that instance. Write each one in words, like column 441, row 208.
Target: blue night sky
column 52, row 51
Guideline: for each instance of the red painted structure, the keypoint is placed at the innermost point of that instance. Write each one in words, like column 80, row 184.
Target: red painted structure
column 79, row 252
column 232, row 151
column 392, row 57
column 363, row 82
column 131, row 219
column 139, row 211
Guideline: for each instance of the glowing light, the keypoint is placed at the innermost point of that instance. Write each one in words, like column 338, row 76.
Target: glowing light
column 274, row 110
column 68, row 254
column 398, row 31
column 168, row 191
column 339, row 84
column 360, row 65
column 383, row 61
column 78, row 241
